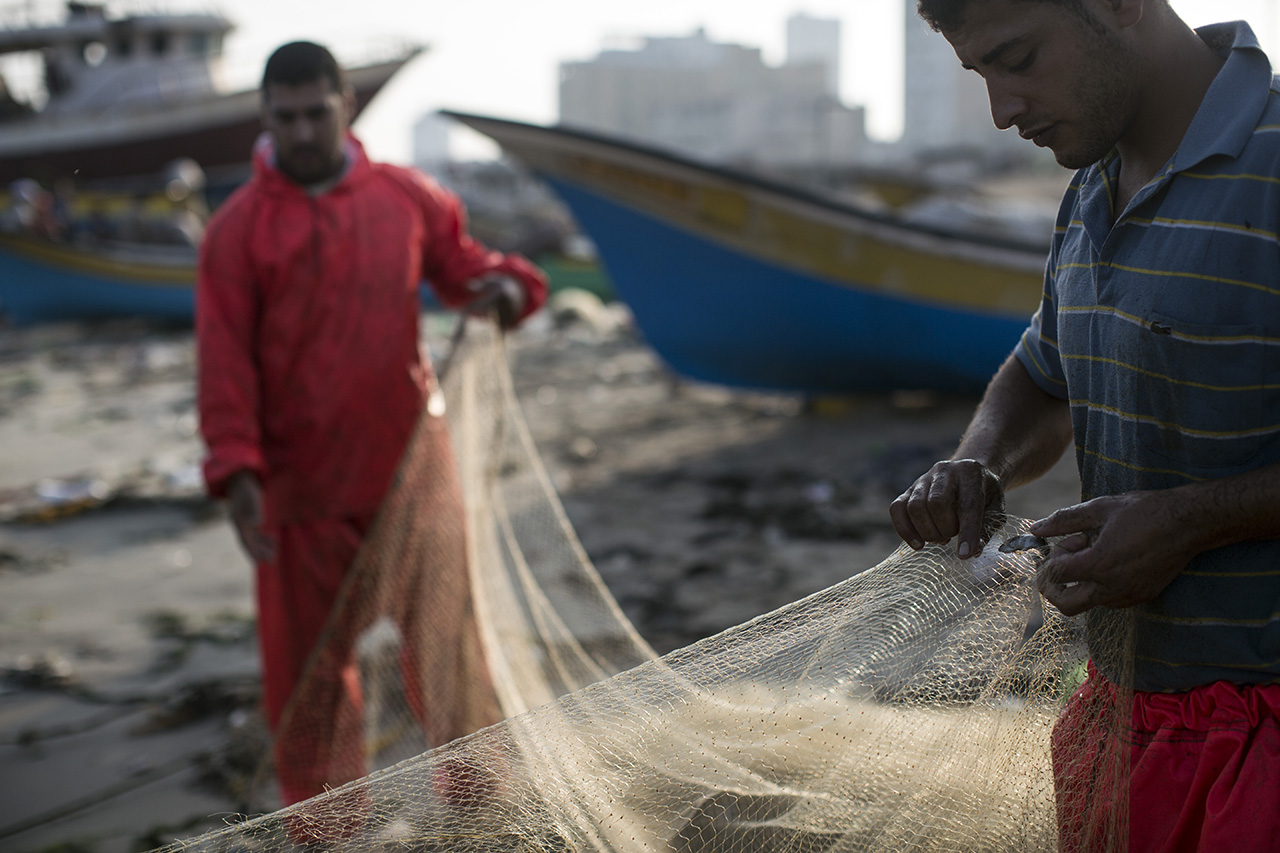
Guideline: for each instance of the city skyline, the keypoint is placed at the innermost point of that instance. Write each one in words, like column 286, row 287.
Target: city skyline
column 501, row 58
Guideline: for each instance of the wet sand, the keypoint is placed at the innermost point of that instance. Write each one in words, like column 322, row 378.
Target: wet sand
column 128, row 670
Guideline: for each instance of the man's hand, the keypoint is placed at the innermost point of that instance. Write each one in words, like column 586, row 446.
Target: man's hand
column 951, row 499
column 497, row 294
column 244, row 499
column 1119, row 550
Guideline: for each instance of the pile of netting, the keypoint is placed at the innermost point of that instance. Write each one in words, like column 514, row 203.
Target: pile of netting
column 910, row 707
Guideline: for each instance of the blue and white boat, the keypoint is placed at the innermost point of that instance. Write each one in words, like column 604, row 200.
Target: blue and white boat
column 741, row 281
column 44, row 281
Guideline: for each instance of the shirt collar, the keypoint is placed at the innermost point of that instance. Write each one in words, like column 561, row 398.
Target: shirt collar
column 1223, row 125
column 1235, row 101
column 355, row 165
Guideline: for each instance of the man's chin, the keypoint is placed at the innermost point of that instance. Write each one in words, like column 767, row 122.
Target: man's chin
column 1078, row 158
column 1069, row 160
column 307, row 173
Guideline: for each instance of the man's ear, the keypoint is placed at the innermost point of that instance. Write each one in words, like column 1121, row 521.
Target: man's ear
column 1125, row 13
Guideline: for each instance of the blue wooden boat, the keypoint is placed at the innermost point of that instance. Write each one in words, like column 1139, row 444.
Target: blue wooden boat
column 740, row 281
column 44, row 281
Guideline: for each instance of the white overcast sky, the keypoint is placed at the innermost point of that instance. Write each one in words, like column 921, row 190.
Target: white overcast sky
column 500, row 57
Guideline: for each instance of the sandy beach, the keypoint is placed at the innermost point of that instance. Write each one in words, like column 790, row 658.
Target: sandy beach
column 128, row 669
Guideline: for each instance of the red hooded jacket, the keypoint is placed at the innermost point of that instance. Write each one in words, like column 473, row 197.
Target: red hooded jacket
column 310, row 372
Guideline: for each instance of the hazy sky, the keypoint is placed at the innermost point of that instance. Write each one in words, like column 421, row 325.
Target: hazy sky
column 500, row 57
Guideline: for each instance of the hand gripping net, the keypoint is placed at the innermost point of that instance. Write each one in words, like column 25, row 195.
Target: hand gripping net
column 911, row 707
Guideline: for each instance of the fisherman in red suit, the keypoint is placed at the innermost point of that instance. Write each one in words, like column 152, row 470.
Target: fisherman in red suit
column 311, row 379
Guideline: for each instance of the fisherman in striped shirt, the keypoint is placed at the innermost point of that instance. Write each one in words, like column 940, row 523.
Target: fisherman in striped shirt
column 1156, row 353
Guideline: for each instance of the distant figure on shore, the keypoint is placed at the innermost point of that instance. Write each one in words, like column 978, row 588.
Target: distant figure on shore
column 1153, row 355
column 30, row 211
column 311, row 377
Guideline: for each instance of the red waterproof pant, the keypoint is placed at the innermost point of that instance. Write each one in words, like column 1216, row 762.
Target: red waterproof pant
column 1203, row 769
column 295, row 598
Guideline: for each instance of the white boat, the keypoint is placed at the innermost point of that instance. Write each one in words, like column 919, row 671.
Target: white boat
column 129, row 93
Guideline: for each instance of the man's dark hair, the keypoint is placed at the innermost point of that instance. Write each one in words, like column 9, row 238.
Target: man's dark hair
column 948, row 15
column 300, row 62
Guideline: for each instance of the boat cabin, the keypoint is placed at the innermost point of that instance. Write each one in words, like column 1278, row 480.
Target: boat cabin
column 91, row 61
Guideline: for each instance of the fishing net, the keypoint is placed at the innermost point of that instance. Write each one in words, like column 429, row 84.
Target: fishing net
column 918, row 705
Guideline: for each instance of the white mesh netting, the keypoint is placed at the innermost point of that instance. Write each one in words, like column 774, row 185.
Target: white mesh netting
column 910, row 707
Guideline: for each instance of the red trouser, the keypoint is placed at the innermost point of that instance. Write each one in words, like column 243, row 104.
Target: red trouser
column 295, row 598
column 1203, row 769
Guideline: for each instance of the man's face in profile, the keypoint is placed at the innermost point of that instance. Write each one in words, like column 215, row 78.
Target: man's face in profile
column 1064, row 80
column 308, row 124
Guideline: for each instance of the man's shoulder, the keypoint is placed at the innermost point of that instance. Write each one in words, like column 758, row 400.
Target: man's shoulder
column 1267, row 130
column 402, row 175
column 418, row 186
column 237, row 209
column 1262, row 144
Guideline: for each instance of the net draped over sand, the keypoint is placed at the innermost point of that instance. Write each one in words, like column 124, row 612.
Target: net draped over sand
column 908, row 708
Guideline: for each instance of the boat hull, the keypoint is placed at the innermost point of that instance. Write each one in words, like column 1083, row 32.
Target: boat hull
column 44, row 282
column 744, row 282
column 218, row 133
column 720, row 316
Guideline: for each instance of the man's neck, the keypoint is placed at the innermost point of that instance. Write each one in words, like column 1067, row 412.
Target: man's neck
column 1176, row 79
column 322, row 187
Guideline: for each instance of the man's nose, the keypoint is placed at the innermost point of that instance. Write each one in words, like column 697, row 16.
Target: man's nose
column 1007, row 106
column 303, row 130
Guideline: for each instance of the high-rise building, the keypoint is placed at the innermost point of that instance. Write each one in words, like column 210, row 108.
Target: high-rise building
column 431, row 138
column 718, row 102
column 811, row 39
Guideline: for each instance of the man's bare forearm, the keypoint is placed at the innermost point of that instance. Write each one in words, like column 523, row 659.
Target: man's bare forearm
column 1018, row 431
column 1233, row 509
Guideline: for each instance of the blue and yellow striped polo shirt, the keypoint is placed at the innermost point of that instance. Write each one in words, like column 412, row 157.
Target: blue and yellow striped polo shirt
column 1163, row 333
